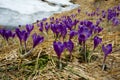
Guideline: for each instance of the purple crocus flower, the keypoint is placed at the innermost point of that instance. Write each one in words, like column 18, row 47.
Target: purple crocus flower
column 75, row 22
column 58, row 47
column 87, row 23
column 84, row 33
column 29, row 27
column 6, row 34
column 37, row 39
column 111, row 14
column 56, row 28
column 47, row 26
column 22, row 35
column 98, row 21
column 63, row 31
column 115, row 21
column 44, row 19
column 72, row 34
column 18, row 33
column 40, row 25
column 103, row 14
column 25, row 36
column 69, row 45
column 97, row 41
column 97, row 29
column 107, row 50
column 2, row 32
column 118, row 8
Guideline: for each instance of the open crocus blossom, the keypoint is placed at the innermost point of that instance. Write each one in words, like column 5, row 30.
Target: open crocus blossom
column 37, row 39
column 107, row 50
column 58, row 47
column 69, row 45
column 29, row 27
column 84, row 33
column 97, row 41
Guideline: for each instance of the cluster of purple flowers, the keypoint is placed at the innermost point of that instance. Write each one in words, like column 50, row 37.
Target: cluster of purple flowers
column 67, row 26
column 22, row 35
column 111, row 15
column 6, row 34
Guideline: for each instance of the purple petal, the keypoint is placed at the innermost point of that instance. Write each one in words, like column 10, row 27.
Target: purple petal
column 37, row 39
column 29, row 27
column 69, row 45
column 58, row 47
column 107, row 49
column 97, row 41
column 72, row 34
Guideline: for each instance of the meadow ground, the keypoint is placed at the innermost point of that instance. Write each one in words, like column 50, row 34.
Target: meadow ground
column 42, row 64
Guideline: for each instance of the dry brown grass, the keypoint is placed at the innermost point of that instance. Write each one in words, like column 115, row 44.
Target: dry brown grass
column 74, row 70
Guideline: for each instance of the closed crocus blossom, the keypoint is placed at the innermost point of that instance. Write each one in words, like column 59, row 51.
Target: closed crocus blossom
column 69, row 45
column 44, row 19
column 40, row 25
column 47, row 26
column 18, row 33
column 107, row 50
column 58, row 47
column 29, row 27
column 22, row 35
column 63, row 31
column 25, row 36
column 97, row 41
column 37, row 39
column 2, row 32
column 6, row 34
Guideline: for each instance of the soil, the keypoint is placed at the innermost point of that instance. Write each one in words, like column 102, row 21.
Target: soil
column 39, row 67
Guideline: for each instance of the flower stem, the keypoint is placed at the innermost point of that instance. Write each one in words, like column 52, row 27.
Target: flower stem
column 27, row 53
column 25, row 46
column 90, row 55
column 103, row 64
column 60, row 64
column 85, row 54
column 70, row 56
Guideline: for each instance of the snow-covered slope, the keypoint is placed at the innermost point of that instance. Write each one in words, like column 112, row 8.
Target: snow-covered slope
column 21, row 12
